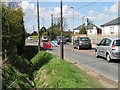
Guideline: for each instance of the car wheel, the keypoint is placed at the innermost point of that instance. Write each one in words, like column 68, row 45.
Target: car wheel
column 96, row 54
column 90, row 47
column 74, row 47
column 108, row 57
column 78, row 47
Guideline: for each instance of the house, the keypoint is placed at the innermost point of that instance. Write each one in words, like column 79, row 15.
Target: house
column 91, row 29
column 111, row 28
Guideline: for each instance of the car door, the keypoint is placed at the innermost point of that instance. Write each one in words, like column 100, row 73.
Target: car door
column 100, row 47
column 106, row 47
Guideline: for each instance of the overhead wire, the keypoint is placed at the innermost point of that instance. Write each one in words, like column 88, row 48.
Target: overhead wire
column 86, row 5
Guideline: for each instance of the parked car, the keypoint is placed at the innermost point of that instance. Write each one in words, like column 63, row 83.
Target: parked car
column 68, row 39
column 45, row 38
column 82, row 42
column 30, row 38
column 109, row 48
column 60, row 38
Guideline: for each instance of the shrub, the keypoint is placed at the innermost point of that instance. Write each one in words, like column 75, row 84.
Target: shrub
column 12, row 78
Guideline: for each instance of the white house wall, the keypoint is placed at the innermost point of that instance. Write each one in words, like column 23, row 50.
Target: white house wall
column 108, row 30
column 76, row 31
column 92, row 31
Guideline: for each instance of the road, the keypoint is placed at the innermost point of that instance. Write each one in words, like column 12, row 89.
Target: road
column 87, row 58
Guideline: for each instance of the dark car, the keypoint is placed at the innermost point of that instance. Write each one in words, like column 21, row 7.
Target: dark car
column 45, row 38
column 68, row 39
column 82, row 42
column 60, row 38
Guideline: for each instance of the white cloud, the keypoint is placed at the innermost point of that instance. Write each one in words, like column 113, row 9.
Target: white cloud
column 29, row 9
column 29, row 28
column 94, row 15
column 113, row 8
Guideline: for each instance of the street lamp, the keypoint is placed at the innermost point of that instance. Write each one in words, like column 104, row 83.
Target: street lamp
column 61, row 27
column 43, row 21
column 73, row 23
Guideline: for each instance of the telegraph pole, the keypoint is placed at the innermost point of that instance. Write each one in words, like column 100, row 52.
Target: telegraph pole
column 33, row 29
column 52, row 24
column 73, row 24
column 38, row 26
column 43, row 21
column 61, row 27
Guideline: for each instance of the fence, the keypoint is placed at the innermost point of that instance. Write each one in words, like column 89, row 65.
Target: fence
column 95, row 38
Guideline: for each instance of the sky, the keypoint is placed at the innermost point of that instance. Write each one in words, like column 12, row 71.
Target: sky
column 97, row 12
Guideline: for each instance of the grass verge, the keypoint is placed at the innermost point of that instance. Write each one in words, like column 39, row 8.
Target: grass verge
column 35, row 37
column 17, row 75
column 59, row 73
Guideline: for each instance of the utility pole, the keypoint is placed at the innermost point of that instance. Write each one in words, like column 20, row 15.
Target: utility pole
column 33, row 29
column 38, row 26
column 61, row 27
column 73, row 24
column 43, row 21
column 52, row 24
column 87, row 25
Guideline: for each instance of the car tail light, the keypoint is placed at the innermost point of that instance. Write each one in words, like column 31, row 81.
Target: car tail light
column 113, row 47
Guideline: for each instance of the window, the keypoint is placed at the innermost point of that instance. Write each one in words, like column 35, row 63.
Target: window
column 111, row 30
column 90, row 31
column 116, row 43
column 102, row 42
column 108, row 42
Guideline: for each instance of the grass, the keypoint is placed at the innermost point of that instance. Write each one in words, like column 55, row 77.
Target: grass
column 57, row 73
column 45, row 70
column 40, row 59
column 35, row 37
column 13, row 78
column 19, row 75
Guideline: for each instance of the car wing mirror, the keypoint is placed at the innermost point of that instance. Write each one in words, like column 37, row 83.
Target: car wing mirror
column 97, row 44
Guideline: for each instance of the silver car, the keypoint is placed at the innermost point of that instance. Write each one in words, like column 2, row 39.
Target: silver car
column 109, row 48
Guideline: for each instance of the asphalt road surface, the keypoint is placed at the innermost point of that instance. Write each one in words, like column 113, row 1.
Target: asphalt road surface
column 88, row 59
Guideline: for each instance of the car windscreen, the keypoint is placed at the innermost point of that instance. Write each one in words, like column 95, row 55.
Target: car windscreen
column 45, row 37
column 60, row 37
column 116, row 43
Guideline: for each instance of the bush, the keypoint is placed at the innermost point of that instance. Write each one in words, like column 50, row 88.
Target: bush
column 22, row 65
column 12, row 78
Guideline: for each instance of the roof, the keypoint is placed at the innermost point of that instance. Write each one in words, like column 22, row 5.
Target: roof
column 113, row 22
column 90, row 26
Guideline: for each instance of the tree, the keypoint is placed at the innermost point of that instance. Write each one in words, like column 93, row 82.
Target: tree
column 54, row 30
column 83, row 31
column 34, row 33
column 13, row 38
